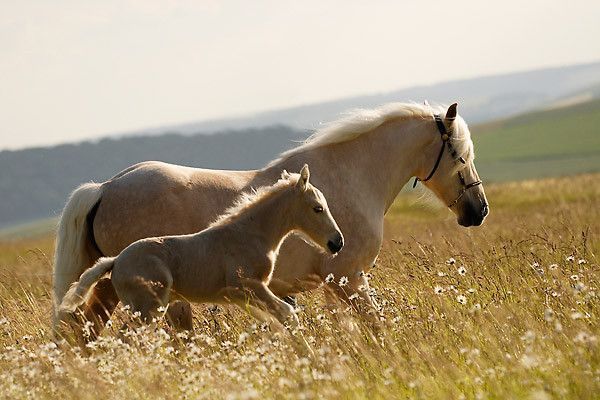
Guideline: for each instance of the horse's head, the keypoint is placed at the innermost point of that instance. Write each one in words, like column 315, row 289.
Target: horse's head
column 449, row 170
column 312, row 216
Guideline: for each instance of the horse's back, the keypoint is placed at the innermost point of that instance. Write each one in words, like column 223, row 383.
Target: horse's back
column 158, row 199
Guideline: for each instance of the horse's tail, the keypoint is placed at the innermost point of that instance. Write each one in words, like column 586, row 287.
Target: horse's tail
column 73, row 253
column 80, row 291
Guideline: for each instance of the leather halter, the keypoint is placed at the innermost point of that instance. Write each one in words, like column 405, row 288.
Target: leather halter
column 445, row 136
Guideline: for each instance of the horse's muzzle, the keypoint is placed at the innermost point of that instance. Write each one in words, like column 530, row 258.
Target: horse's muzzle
column 473, row 215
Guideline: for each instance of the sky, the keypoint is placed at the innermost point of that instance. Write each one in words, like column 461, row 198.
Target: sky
column 74, row 70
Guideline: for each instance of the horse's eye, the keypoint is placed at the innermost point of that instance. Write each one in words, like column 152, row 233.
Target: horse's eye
column 318, row 209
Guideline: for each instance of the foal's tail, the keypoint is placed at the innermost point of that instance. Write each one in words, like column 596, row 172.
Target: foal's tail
column 73, row 253
column 80, row 291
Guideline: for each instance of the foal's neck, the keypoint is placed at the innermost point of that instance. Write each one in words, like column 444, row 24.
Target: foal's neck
column 267, row 221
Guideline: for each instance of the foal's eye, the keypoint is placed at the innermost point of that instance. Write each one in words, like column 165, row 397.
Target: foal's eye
column 318, row 209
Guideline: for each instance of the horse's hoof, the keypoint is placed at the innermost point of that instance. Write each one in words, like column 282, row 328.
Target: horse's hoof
column 291, row 300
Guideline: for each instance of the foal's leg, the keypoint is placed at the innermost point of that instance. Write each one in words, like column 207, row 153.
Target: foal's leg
column 100, row 306
column 179, row 315
column 262, row 297
column 145, row 289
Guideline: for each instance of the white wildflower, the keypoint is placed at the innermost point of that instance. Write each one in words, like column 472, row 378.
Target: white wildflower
column 576, row 315
column 529, row 361
column 476, row 307
column 343, row 281
column 438, row 289
column 451, row 261
column 558, row 326
column 548, row 315
column 329, row 278
column 528, row 336
column 242, row 338
column 584, row 337
column 462, row 270
column 461, row 299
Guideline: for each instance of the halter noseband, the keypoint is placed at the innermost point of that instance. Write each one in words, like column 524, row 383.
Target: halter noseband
column 445, row 135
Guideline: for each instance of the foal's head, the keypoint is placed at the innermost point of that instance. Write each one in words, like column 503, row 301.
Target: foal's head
column 449, row 170
column 311, row 214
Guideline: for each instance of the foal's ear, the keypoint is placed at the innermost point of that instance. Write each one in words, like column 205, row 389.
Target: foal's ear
column 451, row 113
column 285, row 175
column 304, row 176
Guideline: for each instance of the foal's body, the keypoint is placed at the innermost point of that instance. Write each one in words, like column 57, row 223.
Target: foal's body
column 232, row 260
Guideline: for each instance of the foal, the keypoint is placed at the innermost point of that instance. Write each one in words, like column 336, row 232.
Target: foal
column 232, row 260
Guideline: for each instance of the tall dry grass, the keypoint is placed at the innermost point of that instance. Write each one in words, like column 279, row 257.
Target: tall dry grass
column 508, row 310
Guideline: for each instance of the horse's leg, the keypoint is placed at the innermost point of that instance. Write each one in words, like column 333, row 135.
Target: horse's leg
column 355, row 293
column 355, row 290
column 100, row 306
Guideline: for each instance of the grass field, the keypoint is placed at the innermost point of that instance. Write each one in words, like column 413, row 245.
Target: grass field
column 507, row 310
column 556, row 142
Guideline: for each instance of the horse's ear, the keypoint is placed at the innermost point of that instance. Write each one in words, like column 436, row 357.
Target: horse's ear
column 451, row 113
column 285, row 175
column 304, row 176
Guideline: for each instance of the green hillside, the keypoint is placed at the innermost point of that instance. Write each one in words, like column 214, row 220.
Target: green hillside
column 556, row 142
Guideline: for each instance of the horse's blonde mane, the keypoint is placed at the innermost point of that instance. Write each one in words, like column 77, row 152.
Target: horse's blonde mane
column 360, row 121
column 249, row 199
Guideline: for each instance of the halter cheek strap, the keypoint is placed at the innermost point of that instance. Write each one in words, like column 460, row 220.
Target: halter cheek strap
column 445, row 136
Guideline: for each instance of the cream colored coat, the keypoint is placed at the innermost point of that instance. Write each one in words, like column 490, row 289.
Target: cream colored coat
column 359, row 163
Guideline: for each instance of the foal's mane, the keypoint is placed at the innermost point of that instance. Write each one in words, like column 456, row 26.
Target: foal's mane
column 249, row 200
column 360, row 121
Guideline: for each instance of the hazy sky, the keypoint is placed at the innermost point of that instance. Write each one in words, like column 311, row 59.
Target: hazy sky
column 71, row 70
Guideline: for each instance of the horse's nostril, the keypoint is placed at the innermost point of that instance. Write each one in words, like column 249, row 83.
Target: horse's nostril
column 485, row 210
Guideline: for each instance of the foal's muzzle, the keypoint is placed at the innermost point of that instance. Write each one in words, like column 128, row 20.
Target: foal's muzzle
column 335, row 245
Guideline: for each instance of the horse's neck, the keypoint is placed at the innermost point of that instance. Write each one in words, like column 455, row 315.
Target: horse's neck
column 399, row 152
column 267, row 221
column 376, row 164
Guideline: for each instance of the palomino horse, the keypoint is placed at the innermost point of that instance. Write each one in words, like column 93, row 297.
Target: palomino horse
column 360, row 163
column 232, row 260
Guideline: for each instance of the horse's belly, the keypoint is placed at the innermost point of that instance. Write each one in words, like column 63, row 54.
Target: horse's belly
column 155, row 203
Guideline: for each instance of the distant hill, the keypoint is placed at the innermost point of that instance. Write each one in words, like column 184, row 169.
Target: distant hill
column 34, row 183
column 553, row 142
column 481, row 99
